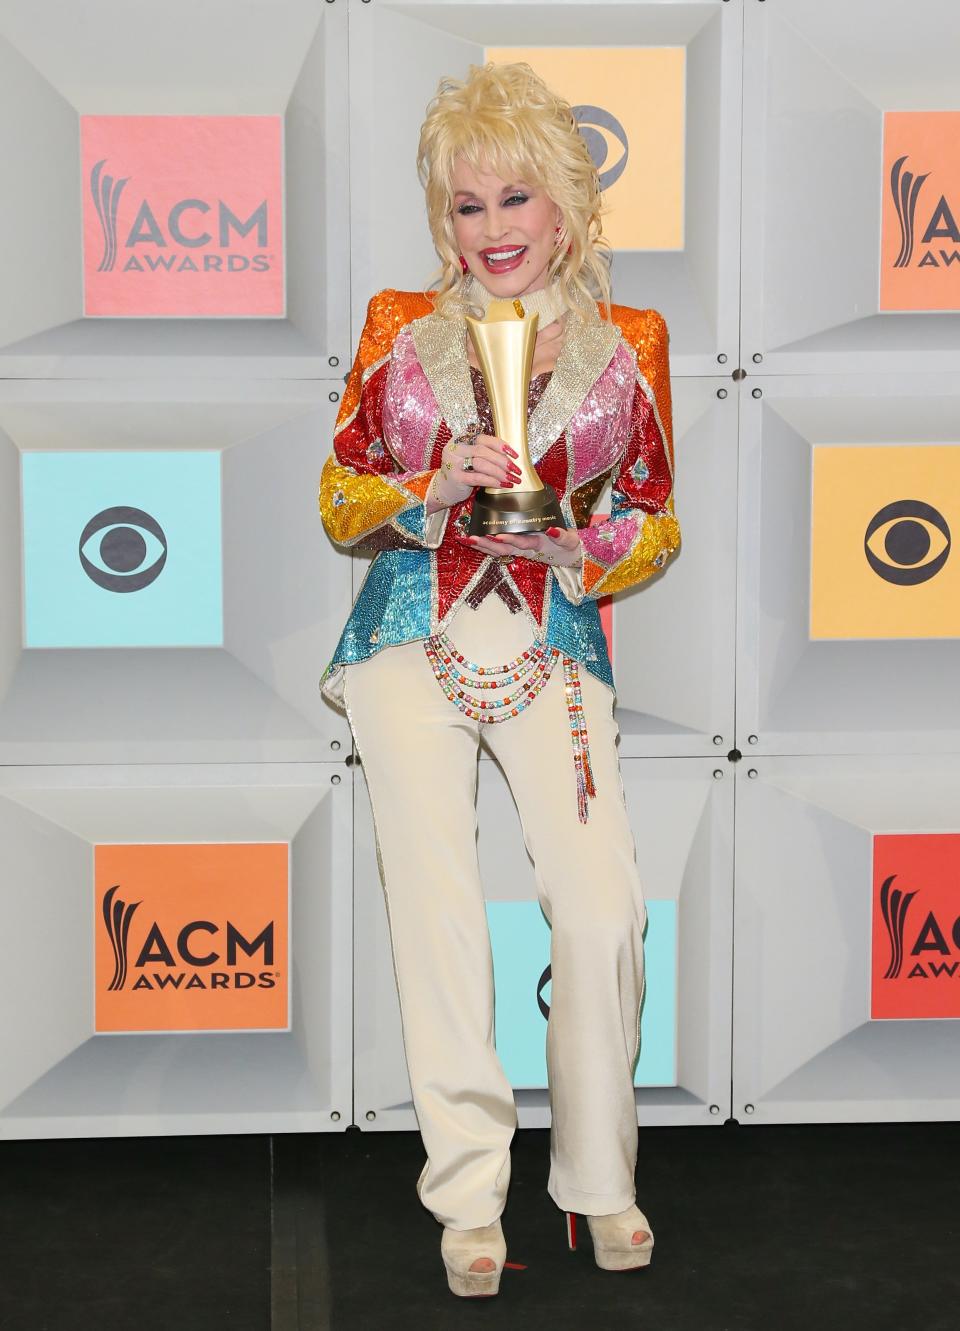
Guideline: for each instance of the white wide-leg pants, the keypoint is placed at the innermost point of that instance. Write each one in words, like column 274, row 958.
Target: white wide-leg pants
column 419, row 755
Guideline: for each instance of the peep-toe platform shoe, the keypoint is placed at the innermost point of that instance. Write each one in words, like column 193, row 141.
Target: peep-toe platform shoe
column 460, row 1248
column 613, row 1246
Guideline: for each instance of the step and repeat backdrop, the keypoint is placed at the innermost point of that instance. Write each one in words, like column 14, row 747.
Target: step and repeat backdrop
column 195, row 931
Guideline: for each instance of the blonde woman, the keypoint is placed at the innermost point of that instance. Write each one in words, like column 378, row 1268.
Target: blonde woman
column 454, row 638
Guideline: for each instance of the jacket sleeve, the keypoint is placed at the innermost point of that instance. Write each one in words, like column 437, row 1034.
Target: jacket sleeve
column 642, row 531
column 365, row 499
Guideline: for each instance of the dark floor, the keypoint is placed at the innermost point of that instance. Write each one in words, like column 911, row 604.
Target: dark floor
column 757, row 1229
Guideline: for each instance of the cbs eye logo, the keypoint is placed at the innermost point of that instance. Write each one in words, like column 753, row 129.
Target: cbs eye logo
column 906, row 542
column 542, row 983
column 595, row 124
column 129, row 538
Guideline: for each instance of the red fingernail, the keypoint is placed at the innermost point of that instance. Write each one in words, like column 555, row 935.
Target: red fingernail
column 512, row 451
column 554, row 531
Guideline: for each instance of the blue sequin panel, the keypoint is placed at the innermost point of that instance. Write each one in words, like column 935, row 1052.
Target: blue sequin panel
column 392, row 605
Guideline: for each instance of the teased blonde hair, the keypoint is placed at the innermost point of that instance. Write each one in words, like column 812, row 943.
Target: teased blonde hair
column 505, row 119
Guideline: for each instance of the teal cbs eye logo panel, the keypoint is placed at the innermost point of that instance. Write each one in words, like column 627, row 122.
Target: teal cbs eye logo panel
column 122, row 549
column 520, row 939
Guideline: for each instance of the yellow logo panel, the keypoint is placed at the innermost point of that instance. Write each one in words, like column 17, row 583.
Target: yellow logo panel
column 630, row 106
column 881, row 557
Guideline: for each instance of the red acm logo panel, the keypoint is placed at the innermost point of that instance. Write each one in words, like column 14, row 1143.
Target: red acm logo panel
column 915, row 967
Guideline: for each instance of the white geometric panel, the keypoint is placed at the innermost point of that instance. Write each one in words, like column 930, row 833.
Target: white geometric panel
column 805, row 1046
column 285, row 586
column 681, row 815
column 399, row 52
column 58, row 1076
column 815, row 91
column 98, row 61
column 673, row 634
column 795, row 693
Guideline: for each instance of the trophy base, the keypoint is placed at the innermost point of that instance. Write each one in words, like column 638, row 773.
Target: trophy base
column 525, row 511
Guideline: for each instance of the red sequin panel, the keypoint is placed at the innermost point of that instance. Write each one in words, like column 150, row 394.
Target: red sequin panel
column 552, row 467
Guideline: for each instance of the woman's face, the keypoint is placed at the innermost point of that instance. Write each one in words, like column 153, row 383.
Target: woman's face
column 494, row 217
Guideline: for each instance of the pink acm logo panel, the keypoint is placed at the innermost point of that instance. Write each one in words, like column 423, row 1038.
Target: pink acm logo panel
column 182, row 216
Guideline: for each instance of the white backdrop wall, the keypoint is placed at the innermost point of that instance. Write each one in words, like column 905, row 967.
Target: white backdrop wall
column 760, row 762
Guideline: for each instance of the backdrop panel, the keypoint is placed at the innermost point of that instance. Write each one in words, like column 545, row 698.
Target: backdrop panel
column 681, row 815
column 673, row 634
column 398, row 52
column 216, row 653
column 849, row 606
column 176, row 211
column 819, row 188
column 817, row 838
column 62, row 1074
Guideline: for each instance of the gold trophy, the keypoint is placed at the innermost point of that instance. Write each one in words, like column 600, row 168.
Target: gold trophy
column 504, row 342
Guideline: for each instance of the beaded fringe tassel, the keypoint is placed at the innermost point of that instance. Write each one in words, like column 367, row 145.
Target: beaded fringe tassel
column 531, row 670
column 578, row 734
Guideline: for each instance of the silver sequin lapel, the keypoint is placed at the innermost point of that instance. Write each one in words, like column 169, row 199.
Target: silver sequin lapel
column 586, row 352
column 441, row 347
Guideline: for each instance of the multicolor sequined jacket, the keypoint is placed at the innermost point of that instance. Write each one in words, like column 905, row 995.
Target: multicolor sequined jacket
column 605, row 412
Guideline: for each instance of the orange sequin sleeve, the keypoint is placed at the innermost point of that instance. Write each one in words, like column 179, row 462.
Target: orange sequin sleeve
column 642, row 531
column 365, row 499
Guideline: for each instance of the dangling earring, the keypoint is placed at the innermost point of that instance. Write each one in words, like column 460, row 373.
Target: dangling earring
column 463, row 264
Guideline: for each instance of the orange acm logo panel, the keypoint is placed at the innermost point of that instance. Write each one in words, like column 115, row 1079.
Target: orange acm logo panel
column 630, row 105
column 920, row 237
column 915, row 966
column 191, row 937
column 882, row 527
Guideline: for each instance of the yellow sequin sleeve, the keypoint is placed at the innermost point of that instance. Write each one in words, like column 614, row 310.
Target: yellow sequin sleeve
column 364, row 498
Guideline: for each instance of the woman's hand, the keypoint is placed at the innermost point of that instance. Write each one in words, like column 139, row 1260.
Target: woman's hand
column 492, row 465
column 558, row 545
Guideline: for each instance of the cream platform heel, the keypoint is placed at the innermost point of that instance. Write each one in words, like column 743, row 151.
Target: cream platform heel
column 460, row 1248
column 613, row 1246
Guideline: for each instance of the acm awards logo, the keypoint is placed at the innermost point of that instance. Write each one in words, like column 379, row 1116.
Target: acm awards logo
column 199, row 942
column 182, row 216
column 937, row 222
column 932, row 938
column 178, row 962
column 920, row 236
column 916, row 929
column 171, row 241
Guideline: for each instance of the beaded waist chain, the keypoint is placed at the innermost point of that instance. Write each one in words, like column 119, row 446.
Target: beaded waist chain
column 530, row 671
